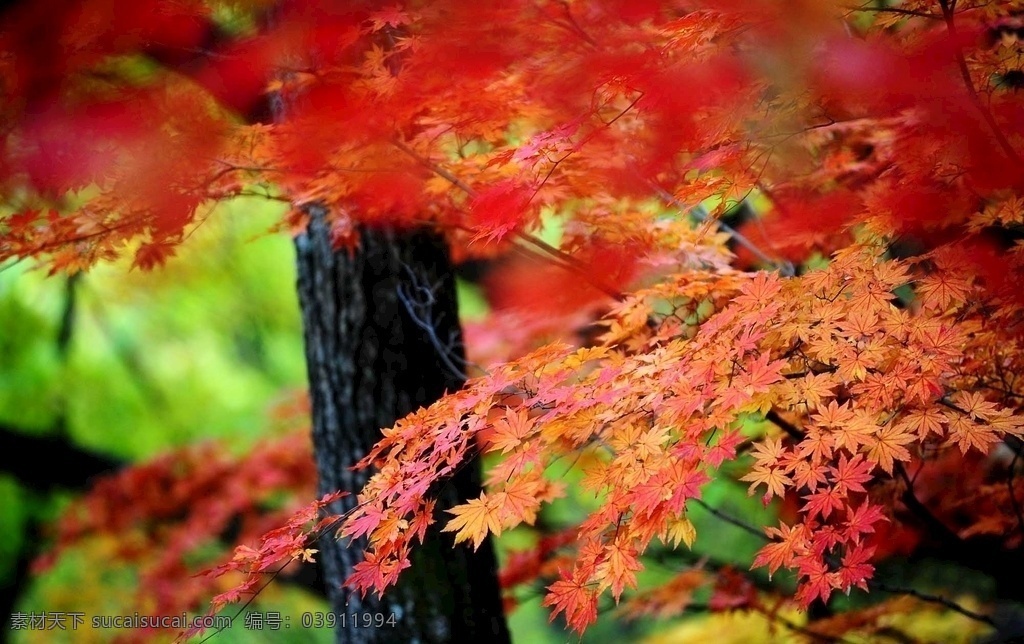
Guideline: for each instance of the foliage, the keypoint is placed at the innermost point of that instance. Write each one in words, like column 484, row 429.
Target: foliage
column 175, row 505
column 884, row 138
column 200, row 350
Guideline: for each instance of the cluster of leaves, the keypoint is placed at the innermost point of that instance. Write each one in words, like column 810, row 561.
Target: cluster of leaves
column 885, row 138
column 178, row 514
column 654, row 409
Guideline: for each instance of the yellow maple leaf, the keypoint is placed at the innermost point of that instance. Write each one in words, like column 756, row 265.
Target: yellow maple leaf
column 681, row 530
column 473, row 520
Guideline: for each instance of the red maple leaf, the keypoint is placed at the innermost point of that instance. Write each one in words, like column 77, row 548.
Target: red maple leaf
column 856, row 570
column 499, row 210
column 572, row 596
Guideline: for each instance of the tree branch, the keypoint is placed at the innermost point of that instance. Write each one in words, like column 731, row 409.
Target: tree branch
column 742, row 525
column 783, row 424
column 934, row 599
column 915, row 505
column 785, row 268
column 972, row 91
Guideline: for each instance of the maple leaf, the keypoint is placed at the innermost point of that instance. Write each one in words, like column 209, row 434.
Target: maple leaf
column 860, row 430
column 809, row 475
column 856, row 569
column 510, row 430
column 574, row 597
column 244, row 553
column 888, row 446
column 816, row 444
column 774, row 556
column 519, row 501
column 391, row 16
column 499, row 210
column 474, row 519
column 364, row 520
column 849, row 475
column 153, row 255
column 1007, row 422
column 974, row 404
column 818, row 582
column 391, row 528
column 376, row 572
column 941, row 291
column 760, row 291
column 680, row 530
column 423, row 520
column 618, row 570
column 772, row 477
column 861, row 520
column 768, row 451
column 815, row 389
column 925, row 421
column 723, row 449
column 822, row 502
column 833, row 415
column 227, row 597
column 967, row 433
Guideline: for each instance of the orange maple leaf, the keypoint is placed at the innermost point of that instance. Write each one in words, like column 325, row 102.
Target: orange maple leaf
column 510, row 430
column 575, row 598
column 888, row 446
column 772, row 477
column 474, row 519
column 618, row 570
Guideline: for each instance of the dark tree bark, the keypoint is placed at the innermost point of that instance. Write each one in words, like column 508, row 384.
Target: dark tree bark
column 369, row 364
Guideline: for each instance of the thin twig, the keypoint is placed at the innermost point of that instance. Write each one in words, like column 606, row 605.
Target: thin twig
column 575, row 26
column 896, row 10
column 272, row 575
column 803, row 630
column 573, row 263
column 732, row 520
column 419, row 302
column 935, row 599
column 436, row 169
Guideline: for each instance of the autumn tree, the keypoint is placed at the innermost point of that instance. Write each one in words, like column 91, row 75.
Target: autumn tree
column 854, row 350
column 371, row 358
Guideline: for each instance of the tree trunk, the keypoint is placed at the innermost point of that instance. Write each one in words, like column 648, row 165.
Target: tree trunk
column 370, row 364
